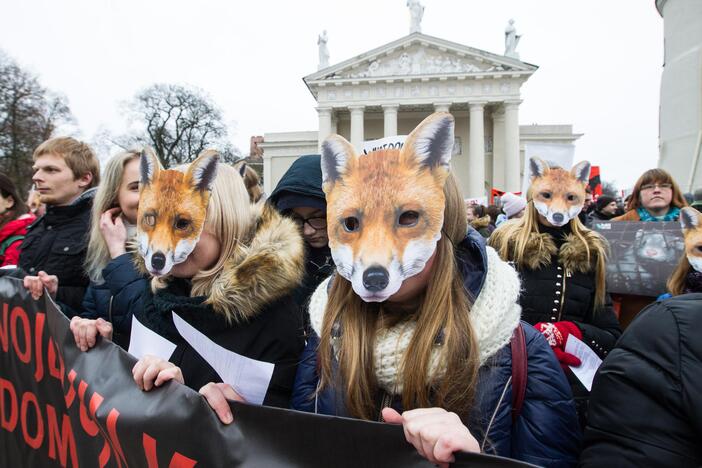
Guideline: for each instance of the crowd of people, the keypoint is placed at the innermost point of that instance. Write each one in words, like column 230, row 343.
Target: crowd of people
column 377, row 293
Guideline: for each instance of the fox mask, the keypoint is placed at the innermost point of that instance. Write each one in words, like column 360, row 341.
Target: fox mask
column 558, row 195
column 172, row 209
column 690, row 220
column 385, row 210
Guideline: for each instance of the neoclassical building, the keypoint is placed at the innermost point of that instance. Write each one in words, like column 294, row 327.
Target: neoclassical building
column 389, row 90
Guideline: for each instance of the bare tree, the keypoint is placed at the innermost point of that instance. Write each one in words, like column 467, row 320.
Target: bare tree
column 29, row 114
column 609, row 188
column 178, row 122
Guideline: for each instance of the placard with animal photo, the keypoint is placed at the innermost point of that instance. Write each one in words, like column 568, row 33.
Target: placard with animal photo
column 642, row 255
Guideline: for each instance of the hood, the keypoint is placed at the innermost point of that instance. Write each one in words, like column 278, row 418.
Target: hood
column 480, row 223
column 17, row 226
column 303, row 178
column 87, row 195
column 493, row 283
column 266, row 269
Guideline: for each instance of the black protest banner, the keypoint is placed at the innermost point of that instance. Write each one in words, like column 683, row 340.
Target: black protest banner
column 60, row 406
column 642, row 255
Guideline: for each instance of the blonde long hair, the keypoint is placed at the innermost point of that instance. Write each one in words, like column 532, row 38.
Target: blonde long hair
column 231, row 219
column 676, row 282
column 98, row 256
column 512, row 242
column 442, row 310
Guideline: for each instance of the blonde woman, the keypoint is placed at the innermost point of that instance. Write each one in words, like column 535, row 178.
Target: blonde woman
column 562, row 268
column 233, row 287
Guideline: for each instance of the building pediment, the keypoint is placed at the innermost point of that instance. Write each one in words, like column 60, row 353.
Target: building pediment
column 420, row 56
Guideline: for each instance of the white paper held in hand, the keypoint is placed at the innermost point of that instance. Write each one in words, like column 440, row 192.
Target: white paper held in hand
column 585, row 372
column 249, row 378
column 143, row 341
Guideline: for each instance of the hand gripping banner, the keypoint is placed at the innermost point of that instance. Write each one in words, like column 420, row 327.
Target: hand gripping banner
column 63, row 407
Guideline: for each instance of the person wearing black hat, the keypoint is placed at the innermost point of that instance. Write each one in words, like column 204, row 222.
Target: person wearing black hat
column 299, row 196
column 605, row 209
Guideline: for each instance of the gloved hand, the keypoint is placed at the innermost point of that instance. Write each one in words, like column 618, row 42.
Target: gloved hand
column 556, row 335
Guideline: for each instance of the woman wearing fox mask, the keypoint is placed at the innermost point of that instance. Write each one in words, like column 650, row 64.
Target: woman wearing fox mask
column 645, row 408
column 223, row 265
column 562, row 267
column 415, row 327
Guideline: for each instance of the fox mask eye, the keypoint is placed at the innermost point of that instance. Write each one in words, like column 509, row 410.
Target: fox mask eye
column 150, row 220
column 408, row 219
column 351, row 224
column 546, row 195
column 182, row 224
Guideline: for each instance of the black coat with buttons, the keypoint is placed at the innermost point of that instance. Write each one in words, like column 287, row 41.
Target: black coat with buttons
column 56, row 243
column 554, row 293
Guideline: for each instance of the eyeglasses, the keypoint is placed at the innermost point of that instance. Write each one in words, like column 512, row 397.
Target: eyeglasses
column 649, row 187
column 316, row 223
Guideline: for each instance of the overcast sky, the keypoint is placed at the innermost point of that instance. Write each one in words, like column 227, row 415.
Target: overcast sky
column 600, row 61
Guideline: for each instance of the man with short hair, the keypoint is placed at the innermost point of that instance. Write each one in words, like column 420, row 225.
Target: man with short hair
column 66, row 174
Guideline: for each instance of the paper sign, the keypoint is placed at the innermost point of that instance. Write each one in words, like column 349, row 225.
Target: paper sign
column 393, row 142
column 585, row 372
column 145, row 341
column 249, row 378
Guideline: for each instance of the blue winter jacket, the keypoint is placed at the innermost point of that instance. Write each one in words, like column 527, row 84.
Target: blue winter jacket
column 546, row 433
column 115, row 298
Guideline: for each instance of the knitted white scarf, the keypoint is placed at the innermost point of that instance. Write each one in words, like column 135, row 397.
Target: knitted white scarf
column 494, row 316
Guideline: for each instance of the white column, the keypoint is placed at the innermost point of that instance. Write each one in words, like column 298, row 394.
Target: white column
column 357, row 126
column 476, row 151
column 325, row 124
column 498, row 148
column 267, row 174
column 335, row 123
column 390, row 119
column 513, row 166
column 442, row 106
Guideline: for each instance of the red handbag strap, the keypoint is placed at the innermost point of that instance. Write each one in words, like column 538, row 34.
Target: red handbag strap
column 519, row 371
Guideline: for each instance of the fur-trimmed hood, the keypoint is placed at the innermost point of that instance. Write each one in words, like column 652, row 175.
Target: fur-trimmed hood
column 575, row 254
column 494, row 316
column 264, row 269
column 480, row 223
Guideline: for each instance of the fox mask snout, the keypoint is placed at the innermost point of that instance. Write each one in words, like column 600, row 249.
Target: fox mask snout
column 691, row 222
column 385, row 210
column 172, row 209
column 558, row 195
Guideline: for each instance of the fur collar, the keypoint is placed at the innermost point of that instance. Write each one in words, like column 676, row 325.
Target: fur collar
column 573, row 253
column 265, row 269
column 494, row 316
column 480, row 223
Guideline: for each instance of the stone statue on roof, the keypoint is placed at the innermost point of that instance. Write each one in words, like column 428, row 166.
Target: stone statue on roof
column 511, row 40
column 416, row 13
column 322, row 40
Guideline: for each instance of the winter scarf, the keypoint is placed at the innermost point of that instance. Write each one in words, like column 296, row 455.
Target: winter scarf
column 672, row 215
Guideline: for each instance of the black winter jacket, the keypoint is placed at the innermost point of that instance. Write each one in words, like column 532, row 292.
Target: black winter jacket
column 645, row 407
column 116, row 298
column 56, row 243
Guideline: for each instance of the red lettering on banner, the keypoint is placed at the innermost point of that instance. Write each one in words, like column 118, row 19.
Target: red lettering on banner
column 36, row 441
column 112, row 417
column 71, row 395
column 3, row 328
column 55, row 362
column 89, row 426
column 8, row 421
column 178, row 460
column 64, row 438
column 39, row 320
column 19, row 313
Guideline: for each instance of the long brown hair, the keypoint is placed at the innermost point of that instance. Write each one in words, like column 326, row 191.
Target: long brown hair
column 443, row 309
column 676, row 282
column 8, row 189
column 512, row 239
column 655, row 176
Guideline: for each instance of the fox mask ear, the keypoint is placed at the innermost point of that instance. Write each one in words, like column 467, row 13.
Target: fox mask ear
column 336, row 154
column 431, row 143
column 537, row 168
column 581, row 171
column 202, row 172
column 689, row 218
column 149, row 166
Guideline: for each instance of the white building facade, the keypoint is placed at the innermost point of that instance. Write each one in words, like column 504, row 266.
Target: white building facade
column 680, row 121
column 389, row 90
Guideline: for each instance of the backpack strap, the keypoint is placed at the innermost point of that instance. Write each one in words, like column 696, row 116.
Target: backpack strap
column 8, row 242
column 519, row 371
